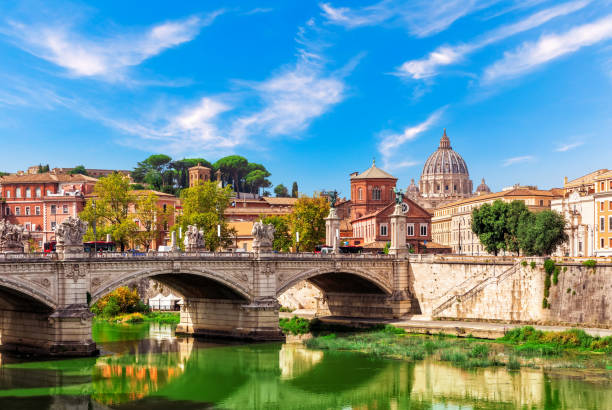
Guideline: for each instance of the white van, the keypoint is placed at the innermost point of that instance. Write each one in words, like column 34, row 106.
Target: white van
column 164, row 248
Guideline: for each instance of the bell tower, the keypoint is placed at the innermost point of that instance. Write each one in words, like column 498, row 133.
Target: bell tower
column 198, row 174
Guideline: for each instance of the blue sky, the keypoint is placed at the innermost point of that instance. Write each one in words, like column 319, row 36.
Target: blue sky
column 313, row 90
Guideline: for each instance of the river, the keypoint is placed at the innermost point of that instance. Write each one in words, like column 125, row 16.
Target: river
column 146, row 367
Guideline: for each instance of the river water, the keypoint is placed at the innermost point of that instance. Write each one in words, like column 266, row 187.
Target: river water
column 147, row 367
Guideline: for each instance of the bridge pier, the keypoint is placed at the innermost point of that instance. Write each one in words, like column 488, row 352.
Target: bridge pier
column 229, row 318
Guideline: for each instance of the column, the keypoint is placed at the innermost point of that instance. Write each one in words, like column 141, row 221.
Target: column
column 332, row 229
column 398, row 232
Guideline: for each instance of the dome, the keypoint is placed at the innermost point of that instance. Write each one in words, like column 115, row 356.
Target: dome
column 444, row 160
column 412, row 189
column 483, row 188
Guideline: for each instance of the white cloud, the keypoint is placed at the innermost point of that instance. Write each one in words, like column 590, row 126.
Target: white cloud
column 105, row 57
column 445, row 55
column 422, row 18
column 549, row 47
column 391, row 142
column 569, row 146
column 517, row 160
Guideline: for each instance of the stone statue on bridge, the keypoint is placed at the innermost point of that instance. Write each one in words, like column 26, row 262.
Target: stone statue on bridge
column 69, row 235
column 194, row 239
column 263, row 236
column 12, row 237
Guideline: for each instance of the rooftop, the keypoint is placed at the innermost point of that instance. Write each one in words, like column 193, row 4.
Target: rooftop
column 45, row 177
column 515, row 192
column 374, row 173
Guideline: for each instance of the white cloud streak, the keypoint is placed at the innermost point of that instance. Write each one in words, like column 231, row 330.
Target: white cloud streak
column 105, row 57
column 517, row 160
column 390, row 143
column 531, row 55
column 423, row 18
column 569, row 146
column 446, row 55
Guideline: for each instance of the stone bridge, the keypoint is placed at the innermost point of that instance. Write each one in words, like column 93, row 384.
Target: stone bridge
column 44, row 300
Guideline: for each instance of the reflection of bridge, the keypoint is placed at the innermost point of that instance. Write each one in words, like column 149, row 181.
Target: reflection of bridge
column 43, row 301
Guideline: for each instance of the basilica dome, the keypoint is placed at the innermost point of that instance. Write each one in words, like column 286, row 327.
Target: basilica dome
column 445, row 174
column 483, row 188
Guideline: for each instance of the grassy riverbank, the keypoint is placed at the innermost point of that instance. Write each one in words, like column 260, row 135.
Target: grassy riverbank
column 170, row 318
column 520, row 347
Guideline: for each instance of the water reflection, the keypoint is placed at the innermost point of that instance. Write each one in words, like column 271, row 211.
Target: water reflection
column 160, row 370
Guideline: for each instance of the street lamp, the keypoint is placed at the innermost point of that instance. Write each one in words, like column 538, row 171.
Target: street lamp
column 297, row 242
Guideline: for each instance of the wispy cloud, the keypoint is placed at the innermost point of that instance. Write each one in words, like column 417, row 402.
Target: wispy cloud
column 390, row 142
column 531, row 55
column 445, row 55
column 517, row 160
column 568, row 147
column 422, row 17
column 102, row 57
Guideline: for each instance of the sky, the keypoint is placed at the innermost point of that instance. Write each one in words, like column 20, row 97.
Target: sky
column 313, row 90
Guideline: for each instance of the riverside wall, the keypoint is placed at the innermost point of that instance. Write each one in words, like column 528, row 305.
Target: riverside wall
column 504, row 290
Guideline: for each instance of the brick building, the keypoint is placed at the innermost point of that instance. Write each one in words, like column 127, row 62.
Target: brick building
column 366, row 215
column 41, row 201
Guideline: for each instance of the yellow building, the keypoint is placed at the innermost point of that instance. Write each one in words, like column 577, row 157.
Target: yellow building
column 603, row 209
column 451, row 224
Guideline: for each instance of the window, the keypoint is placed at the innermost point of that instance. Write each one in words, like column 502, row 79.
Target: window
column 28, row 226
column 579, row 246
column 610, row 224
column 383, row 229
column 410, row 229
column 38, row 193
column 28, row 193
column 446, row 188
column 53, row 209
column 376, row 194
column 610, row 205
column 27, row 210
column 602, row 224
column 53, row 225
column 49, row 192
column 18, row 193
column 7, row 211
column 165, row 207
column 37, row 210
column 8, row 194
column 360, row 193
column 65, row 209
column 601, row 206
column 423, row 229
column 17, row 210
column 603, row 186
column 541, row 202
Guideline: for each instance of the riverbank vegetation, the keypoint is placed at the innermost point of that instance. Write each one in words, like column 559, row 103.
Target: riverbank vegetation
column 520, row 347
column 123, row 305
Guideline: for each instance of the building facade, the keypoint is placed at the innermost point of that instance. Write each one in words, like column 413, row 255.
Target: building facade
column 452, row 223
column 577, row 205
column 39, row 202
column 603, row 207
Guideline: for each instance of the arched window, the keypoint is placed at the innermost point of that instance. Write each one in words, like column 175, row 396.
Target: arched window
column 28, row 193
column 360, row 191
column 38, row 193
column 18, row 193
column 376, row 194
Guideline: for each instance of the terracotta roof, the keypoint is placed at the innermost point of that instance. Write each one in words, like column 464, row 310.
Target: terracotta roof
column 45, row 177
column 434, row 245
column 280, row 201
column 140, row 192
column 256, row 211
column 374, row 245
column 374, row 173
column 517, row 192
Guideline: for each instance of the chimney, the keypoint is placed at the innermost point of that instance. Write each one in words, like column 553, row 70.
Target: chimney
column 565, row 181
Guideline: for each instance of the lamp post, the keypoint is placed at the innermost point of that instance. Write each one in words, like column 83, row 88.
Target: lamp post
column 297, row 242
column 459, row 236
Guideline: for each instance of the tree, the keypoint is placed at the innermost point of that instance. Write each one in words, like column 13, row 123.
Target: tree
column 281, row 191
column 257, row 179
column 233, row 169
column 42, row 169
column 294, row 190
column 514, row 212
column 152, row 219
column 541, row 233
column 204, row 206
column 79, row 169
column 282, row 233
column 308, row 219
column 109, row 209
column 489, row 223
column 154, row 171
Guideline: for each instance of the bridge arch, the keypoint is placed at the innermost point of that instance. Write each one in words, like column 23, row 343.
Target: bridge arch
column 17, row 290
column 189, row 282
column 324, row 278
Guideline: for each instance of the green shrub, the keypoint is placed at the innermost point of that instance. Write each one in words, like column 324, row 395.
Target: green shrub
column 394, row 330
column 285, row 309
column 533, row 265
column 479, row 351
column 295, row 326
column 513, row 364
column 590, row 263
column 549, row 266
column 555, row 278
column 545, row 303
column 524, row 263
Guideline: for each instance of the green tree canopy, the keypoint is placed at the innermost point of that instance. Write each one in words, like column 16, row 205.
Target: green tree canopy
column 541, row 233
column 233, row 169
column 308, row 219
column 282, row 233
column 257, row 179
column 204, row 206
column 489, row 223
column 79, row 169
column 294, row 190
column 281, row 191
column 515, row 211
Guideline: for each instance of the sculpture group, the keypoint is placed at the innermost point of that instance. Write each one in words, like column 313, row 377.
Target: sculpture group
column 13, row 238
column 194, row 239
column 263, row 236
